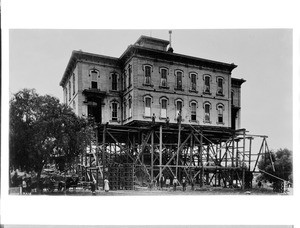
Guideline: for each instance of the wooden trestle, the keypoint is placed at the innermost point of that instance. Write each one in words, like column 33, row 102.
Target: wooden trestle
column 138, row 155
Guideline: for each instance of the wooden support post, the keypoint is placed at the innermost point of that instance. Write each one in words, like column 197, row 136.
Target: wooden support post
column 178, row 144
column 160, row 153
column 97, row 158
column 207, row 160
column 128, row 147
column 226, row 155
column 259, row 153
column 152, row 154
column 220, row 161
column 103, row 154
column 243, row 163
column 232, row 149
column 133, row 146
column 232, row 160
column 191, row 152
column 250, row 154
column 268, row 151
column 143, row 145
column 237, row 160
column 237, row 154
column 201, row 161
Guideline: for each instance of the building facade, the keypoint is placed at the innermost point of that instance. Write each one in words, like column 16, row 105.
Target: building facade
column 149, row 81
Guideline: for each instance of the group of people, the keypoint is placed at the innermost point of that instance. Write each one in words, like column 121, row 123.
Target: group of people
column 23, row 181
column 167, row 182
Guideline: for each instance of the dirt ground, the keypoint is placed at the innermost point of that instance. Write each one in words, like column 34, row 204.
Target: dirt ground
column 166, row 192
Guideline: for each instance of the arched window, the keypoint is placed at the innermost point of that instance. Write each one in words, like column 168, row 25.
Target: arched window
column 94, row 74
column 114, row 81
column 220, row 109
column 193, row 77
column 207, row 107
column 147, row 74
column 129, row 107
column 163, row 107
column 206, row 84
column 124, row 80
column 178, row 104
column 220, row 82
column 179, row 75
column 163, row 79
column 147, row 105
column 193, row 108
column 114, row 110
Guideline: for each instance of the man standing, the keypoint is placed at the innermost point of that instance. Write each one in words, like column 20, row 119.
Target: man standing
column 161, row 181
column 183, row 184
column 175, row 183
column 168, row 183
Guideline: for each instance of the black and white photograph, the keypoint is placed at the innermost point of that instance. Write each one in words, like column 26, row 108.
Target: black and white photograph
column 150, row 112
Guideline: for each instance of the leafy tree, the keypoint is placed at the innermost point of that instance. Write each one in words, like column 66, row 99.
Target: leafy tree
column 283, row 164
column 41, row 128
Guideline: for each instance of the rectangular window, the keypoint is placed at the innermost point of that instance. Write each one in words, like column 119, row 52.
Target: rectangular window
column 163, row 77
column 148, row 106
column 163, row 113
column 129, row 108
column 94, row 85
column 193, row 82
column 114, row 81
column 73, row 83
column 179, row 80
column 207, row 112
column 220, row 86
column 147, row 75
column 114, row 113
column 207, row 84
column 193, row 112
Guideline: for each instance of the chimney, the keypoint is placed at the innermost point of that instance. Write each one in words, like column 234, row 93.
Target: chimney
column 170, row 49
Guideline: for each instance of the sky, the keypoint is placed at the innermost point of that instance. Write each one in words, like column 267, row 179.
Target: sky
column 38, row 58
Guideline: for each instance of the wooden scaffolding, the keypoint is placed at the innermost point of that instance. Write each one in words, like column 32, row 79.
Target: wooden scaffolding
column 139, row 154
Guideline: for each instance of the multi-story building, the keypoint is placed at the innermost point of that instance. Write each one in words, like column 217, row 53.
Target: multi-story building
column 150, row 81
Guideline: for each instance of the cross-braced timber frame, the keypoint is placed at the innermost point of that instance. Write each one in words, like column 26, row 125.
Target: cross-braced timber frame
column 138, row 155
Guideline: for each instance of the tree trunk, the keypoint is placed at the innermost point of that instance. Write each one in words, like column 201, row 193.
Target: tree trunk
column 39, row 186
